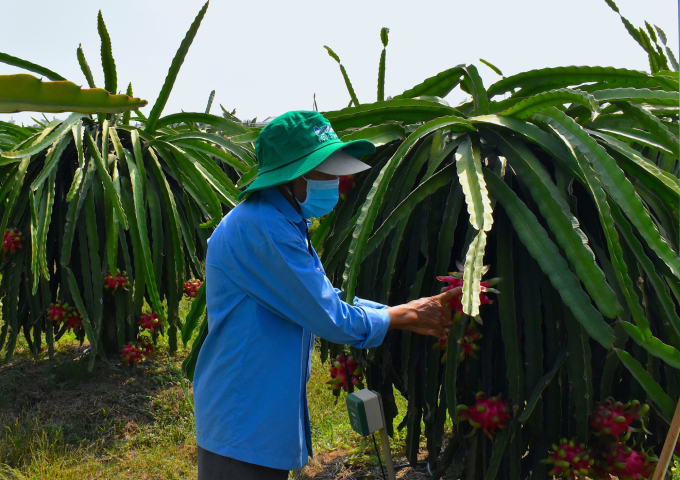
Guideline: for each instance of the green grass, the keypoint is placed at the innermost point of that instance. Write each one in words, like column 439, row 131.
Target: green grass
column 60, row 421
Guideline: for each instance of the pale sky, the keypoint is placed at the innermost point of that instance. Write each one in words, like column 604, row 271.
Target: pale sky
column 265, row 57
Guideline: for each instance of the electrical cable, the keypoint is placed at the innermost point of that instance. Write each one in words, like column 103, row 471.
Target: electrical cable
column 377, row 452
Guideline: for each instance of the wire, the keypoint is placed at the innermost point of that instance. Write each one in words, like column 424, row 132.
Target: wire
column 377, row 452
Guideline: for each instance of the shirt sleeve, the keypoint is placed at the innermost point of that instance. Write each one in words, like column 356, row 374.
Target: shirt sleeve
column 272, row 265
column 363, row 302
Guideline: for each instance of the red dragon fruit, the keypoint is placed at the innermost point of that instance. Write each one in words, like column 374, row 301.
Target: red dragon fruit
column 629, row 464
column 339, row 373
column 73, row 320
column 148, row 321
column 58, row 311
column 455, row 279
column 488, row 413
column 191, row 287
column 468, row 345
column 11, row 241
column 571, row 460
column 132, row 354
column 614, row 418
column 346, row 184
column 119, row 280
column 146, row 347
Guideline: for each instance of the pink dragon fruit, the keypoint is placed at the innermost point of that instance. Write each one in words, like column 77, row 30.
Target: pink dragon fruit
column 629, row 464
column 488, row 413
column 146, row 347
column 339, row 373
column 614, row 418
column 191, row 287
column 73, row 320
column 131, row 354
column 346, row 184
column 11, row 241
column 571, row 460
column 468, row 345
column 119, row 280
column 455, row 279
column 58, row 311
column 148, row 321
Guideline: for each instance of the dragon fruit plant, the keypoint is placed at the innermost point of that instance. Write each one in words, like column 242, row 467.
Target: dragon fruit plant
column 149, row 321
column 79, row 157
column 454, row 280
column 191, row 287
column 571, row 460
column 342, row 365
column 626, row 463
column 11, row 241
column 488, row 414
column 614, row 418
column 114, row 282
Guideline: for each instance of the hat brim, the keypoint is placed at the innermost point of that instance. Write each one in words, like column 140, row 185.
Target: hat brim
column 306, row 164
column 342, row 163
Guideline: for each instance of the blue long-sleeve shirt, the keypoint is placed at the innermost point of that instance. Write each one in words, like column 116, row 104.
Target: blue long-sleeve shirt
column 267, row 297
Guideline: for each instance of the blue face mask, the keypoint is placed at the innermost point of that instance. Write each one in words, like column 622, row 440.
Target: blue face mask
column 322, row 196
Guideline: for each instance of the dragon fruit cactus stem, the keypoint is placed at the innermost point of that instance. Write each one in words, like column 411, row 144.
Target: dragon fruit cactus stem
column 614, row 418
column 488, row 413
column 571, row 460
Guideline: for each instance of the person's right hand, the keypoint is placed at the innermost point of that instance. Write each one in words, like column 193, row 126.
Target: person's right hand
column 426, row 316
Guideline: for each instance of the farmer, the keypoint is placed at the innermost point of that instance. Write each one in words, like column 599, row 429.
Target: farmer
column 268, row 296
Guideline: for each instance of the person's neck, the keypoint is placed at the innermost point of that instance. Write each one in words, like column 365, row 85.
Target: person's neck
column 287, row 192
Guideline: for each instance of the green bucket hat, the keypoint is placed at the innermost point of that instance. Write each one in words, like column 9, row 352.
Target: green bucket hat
column 296, row 143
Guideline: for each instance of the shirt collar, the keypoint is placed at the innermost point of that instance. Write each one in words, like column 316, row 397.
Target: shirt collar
column 276, row 198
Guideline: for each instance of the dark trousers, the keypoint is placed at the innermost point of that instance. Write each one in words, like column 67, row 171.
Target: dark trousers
column 212, row 466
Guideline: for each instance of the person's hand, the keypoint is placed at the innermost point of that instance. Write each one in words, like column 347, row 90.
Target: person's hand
column 426, row 316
